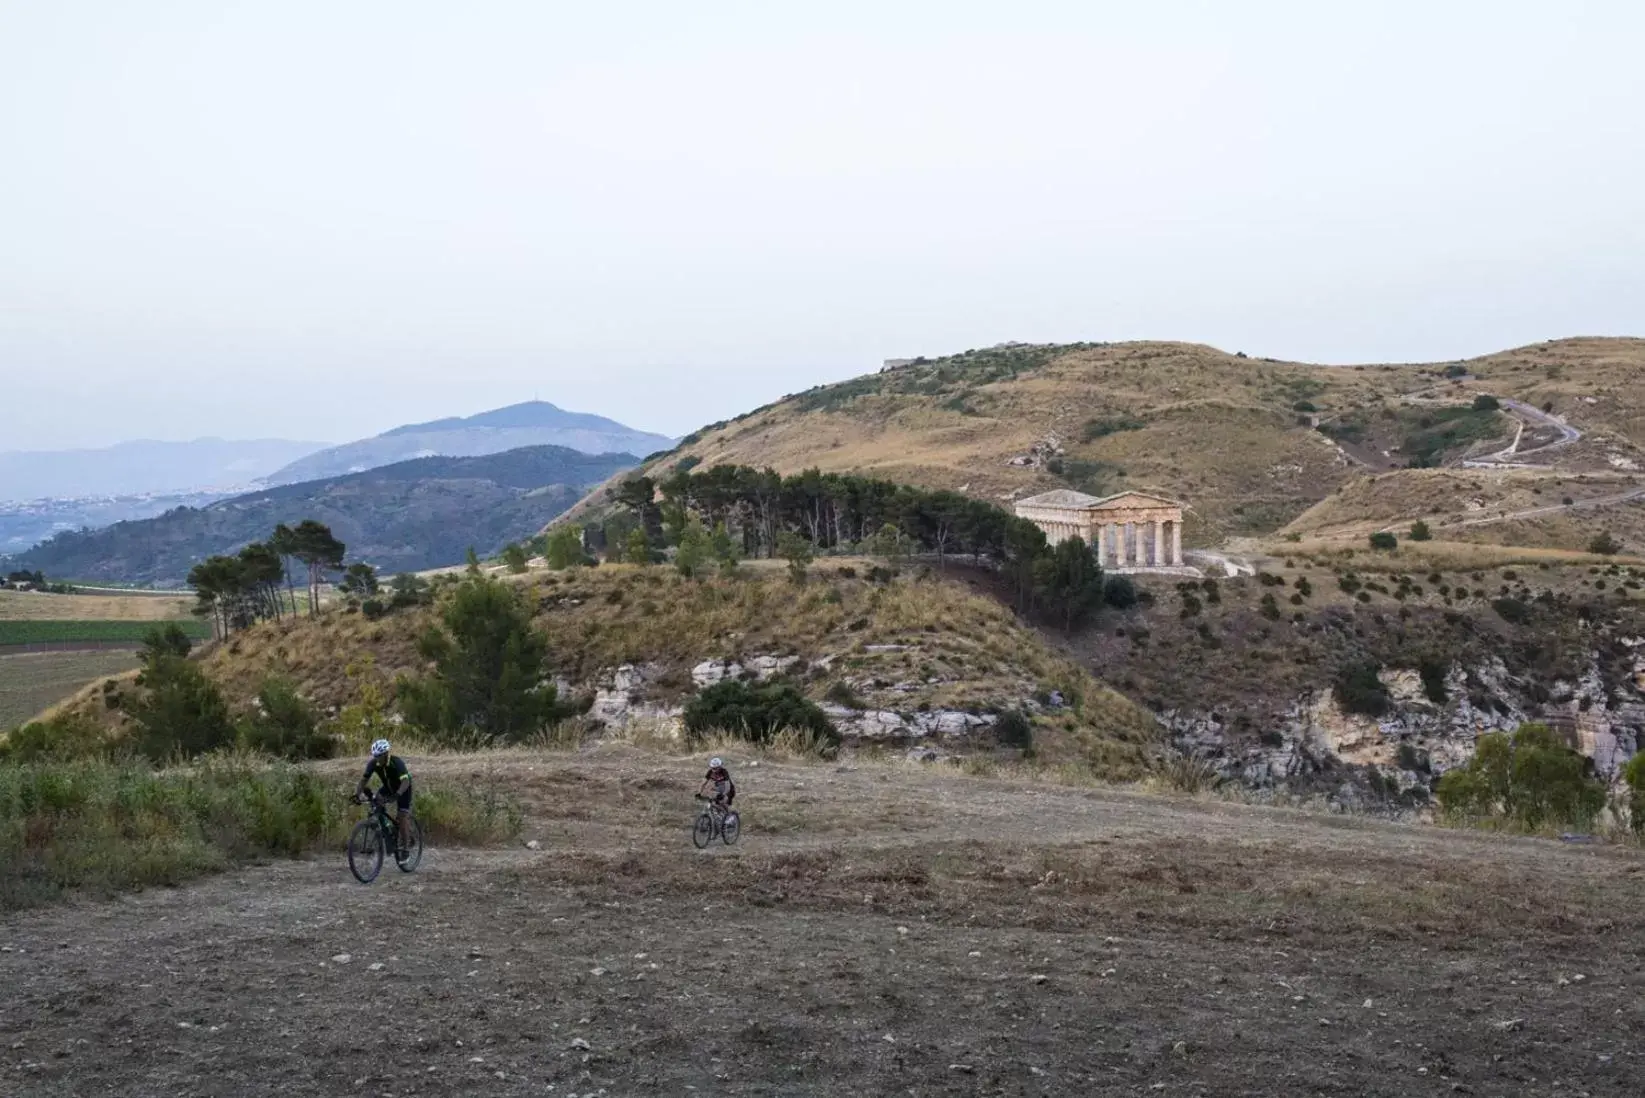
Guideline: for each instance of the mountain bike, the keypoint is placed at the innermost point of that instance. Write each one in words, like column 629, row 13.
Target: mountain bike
column 379, row 832
column 715, row 820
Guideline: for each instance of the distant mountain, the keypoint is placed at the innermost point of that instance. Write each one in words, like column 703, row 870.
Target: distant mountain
column 535, row 423
column 145, row 467
column 409, row 515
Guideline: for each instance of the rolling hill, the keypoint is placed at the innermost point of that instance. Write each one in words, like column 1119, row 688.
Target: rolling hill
column 1251, row 444
column 409, row 515
column 534, row 423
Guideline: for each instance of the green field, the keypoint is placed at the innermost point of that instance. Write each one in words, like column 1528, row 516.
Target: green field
column 27, row 631
column 30, row 682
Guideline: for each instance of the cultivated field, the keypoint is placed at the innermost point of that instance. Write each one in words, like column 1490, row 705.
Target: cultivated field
column 36, row 606
column 880, row 930
column 32, row 681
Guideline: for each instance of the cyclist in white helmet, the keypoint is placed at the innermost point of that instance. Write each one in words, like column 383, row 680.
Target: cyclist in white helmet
column 395, row 776
column 719, row 778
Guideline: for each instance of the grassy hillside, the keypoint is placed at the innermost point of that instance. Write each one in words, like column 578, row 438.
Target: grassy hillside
column 416, row 514
column 907, row 646
column 1250, row 444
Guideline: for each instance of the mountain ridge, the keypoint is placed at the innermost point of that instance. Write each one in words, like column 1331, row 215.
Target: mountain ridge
column 512, row 427
column 415, row 514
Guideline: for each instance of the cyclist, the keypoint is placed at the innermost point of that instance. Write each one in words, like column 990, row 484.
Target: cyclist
column 395, row 776
column 719, row 779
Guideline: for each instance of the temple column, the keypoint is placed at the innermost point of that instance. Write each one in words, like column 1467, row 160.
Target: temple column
column 1122, row 559
column 1176, row 543
column 1157, row 530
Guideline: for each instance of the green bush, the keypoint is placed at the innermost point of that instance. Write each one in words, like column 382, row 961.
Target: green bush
column 1531, row 779
column 1014, row 729
column 61, row 738
column 1384, row 541
column 1359, row 689
column 756, row 712
column 1269, row 608
column 107, row 827
column 1511, row 610
column 488, row 682
column 1604, row 544
column 1119, row 592
column 1633, row 775
column 1484, row 402
column 1433, row 674
column 178, row 712
column 285, row 725
column 1420, row 531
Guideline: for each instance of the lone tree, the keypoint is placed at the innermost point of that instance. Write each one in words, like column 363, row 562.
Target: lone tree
column 514, row 557
column 1420, row 531
column 488, row 668
column 315, row 546
column 1384, row 541
column 1069, row 582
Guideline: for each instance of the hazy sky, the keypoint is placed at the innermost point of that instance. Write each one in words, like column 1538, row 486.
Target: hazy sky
column 318, row 220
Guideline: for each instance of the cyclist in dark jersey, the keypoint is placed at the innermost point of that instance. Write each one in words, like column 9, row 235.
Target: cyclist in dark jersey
column 719, row 778
column 395, row 776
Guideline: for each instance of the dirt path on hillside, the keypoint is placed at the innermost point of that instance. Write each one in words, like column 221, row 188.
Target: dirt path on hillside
column 880, row 930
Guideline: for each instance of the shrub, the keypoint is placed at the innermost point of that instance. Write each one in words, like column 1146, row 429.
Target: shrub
column 489, row 669
column 1384, row 541
column 1633, row 776
column 1119, row 592
column 285, row 725
column 1420, row 531
column 1433, row 674
column 409, row 589
column 1484, row 402
column 515, row 558
column 1014, row 729
column 1510, row 609
column 756, row 712
column 839, row 692
column 1604, row 544
column 1531, row 779
column 158, row 643
column 1270, row 608
column 61, row 738
column 178, row 712
column 373, row 609
column 1358, row 689
column 798, row 552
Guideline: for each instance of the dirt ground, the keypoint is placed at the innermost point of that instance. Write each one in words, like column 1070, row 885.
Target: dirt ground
column 879, row 930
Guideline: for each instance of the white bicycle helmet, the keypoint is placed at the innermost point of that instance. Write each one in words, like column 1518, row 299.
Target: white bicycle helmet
column 715, row 763
column 379, row 748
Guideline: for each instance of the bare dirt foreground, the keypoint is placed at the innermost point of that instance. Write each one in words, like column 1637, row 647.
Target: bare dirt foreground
column 879, row 930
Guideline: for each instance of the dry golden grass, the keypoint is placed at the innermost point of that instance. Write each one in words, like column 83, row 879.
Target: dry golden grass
column 35, row 606
column 1220, row 431
column 1439, row 556
column 909, row 645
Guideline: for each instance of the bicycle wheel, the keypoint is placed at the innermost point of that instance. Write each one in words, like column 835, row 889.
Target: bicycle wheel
column 414, row 848
column 731, row 827
column 365, row 851
column 703, row 832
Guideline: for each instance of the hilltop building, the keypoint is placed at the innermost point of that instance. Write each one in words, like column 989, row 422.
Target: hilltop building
column 1129, row 532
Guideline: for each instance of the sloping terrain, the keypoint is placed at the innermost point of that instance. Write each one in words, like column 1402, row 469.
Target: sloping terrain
column 415, row 514
column 534, row 423
column 878, row 930
column 1250, row 444
column 634, row 640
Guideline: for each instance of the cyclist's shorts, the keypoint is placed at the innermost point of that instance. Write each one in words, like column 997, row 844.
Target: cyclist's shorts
column 404, row 801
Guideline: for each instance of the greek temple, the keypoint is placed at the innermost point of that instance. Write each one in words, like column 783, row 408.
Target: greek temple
column 1128, row 531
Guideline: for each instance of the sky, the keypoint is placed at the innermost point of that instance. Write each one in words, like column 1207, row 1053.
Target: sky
column 319, row 220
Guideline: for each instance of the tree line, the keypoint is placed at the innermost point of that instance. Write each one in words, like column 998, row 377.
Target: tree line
column 258, row 582
column 729, row 511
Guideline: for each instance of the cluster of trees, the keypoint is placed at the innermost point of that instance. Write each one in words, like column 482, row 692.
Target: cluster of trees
column 237, row 591
column 33, row 581
column 718, row 516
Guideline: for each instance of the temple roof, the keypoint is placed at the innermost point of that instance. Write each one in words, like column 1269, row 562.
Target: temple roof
column 1065, row 499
